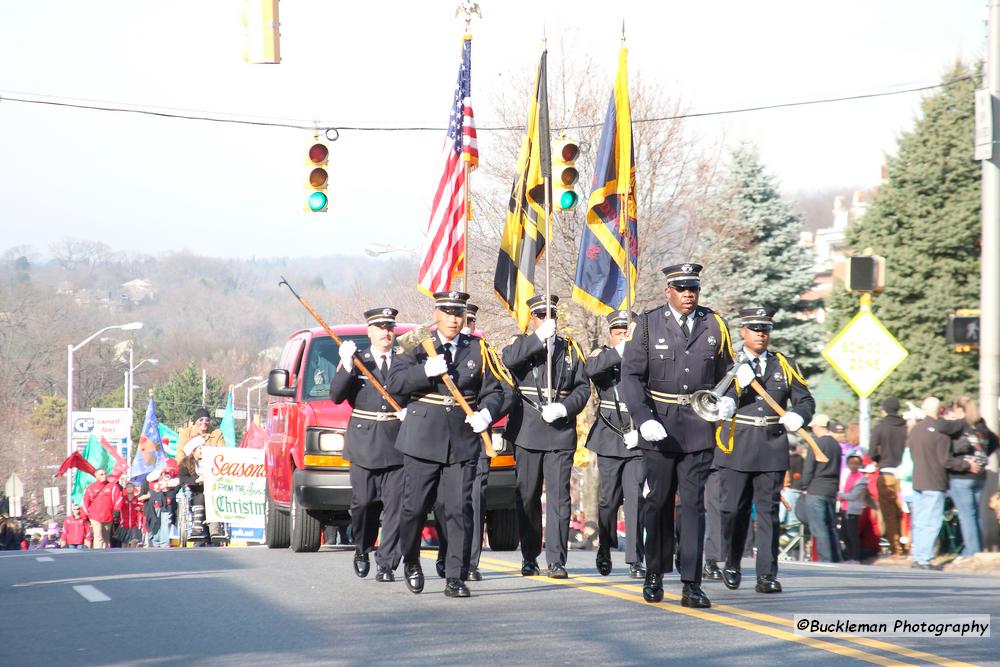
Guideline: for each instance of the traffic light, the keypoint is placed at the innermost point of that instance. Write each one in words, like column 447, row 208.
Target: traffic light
column 962, row 330
column 319, row 155
column 865, row 273
column 260, row 32
column 564, row 173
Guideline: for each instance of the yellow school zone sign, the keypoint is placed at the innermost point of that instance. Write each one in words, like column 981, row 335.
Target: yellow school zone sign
column 864, row 353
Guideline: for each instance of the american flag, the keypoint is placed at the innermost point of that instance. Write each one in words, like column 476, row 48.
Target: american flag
column 444, row 245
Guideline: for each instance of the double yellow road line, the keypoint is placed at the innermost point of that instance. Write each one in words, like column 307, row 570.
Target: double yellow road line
column 777, row 627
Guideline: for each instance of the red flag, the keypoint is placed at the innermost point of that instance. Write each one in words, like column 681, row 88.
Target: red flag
column 75, row 460
column 254, row 437
column 111, row 451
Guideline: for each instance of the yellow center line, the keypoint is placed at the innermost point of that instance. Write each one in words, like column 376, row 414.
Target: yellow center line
column 603, row 587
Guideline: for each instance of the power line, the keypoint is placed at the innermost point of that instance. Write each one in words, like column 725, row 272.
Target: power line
column 301, row 125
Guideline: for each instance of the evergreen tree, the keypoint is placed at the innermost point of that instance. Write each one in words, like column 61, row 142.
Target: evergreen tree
column 925, row 222
column 754, row 257
column 178, row 398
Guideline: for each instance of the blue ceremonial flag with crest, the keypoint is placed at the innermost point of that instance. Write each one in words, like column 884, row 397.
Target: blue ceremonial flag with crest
column 605, row 270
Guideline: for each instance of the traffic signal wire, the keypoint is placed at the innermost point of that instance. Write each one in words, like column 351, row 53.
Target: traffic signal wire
column 234, row 119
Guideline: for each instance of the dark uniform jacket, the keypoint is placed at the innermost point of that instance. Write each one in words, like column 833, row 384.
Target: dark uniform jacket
column 760, row 443
column 659, row 364
column 371, row 433
column 525, row 358
column 603, row 367
column 435, row 427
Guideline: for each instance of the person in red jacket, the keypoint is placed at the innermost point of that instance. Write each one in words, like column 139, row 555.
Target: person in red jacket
column 131, row 517
column 75, row 529
column 100, row 501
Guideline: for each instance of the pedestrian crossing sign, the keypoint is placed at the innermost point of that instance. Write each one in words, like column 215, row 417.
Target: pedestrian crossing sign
column 864, row 353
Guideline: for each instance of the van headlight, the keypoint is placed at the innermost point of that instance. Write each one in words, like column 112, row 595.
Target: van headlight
column 331, row 442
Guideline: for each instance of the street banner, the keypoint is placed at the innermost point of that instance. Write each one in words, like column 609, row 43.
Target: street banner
column 234, row 485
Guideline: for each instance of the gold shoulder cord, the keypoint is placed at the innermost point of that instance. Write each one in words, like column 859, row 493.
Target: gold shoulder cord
column 726, row 344
column 496, row 366
column 790, row 371
column 718, row 439
column 579, row 352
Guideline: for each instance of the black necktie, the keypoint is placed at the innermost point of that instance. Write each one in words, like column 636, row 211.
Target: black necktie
column 447, row 355
column 756, row 366
column 684, row 326
column 382, row 364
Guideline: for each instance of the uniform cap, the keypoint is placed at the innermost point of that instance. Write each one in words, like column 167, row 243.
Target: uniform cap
column 687, row 274
column 619, row 318
column 451, row 301
column 470, row 310
column 536, row 304
column 757, row 318
column 380, row 316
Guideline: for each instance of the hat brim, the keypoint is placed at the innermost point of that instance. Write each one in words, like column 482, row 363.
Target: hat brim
column 683, row 282
column 759, row 326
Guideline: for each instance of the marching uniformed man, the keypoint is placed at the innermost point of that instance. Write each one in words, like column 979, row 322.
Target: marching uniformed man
column 543, row 429
column 614, row 439
column 675, row 350
column 440, row 445
column 370, row 445
column 478, row 491
column 753, row 450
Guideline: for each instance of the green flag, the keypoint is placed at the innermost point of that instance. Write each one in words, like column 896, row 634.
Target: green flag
column 96, row 456
column 228, row 423
column 169, row 438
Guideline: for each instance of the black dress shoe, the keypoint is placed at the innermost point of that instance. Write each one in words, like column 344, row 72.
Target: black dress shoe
column 636, row 571
column 693, row 596
column 603, row 563
column 768, row 584
column 731, row 577
column 454, row 588
column 711, row 570
column 414, row 577
column 384, row 574
column 652, row 589
column 474, row 574
column 361, row 565
column 529, row 568
column 439, row 566
column 557, row 571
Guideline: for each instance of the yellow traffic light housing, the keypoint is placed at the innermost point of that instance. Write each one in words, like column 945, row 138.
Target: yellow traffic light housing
column 261, row 40
column 564, row 173
column 318, row 178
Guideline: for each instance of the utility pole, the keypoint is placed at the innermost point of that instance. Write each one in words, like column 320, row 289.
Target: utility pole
column 989, row 337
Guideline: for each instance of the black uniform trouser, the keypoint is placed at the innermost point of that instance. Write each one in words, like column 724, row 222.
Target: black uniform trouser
column 554, row 467
column 740, row 490
column 377, row 491
column 713, row 519
column 478, row 515
column 452, row 483
column 621, row 483
column 667, row 474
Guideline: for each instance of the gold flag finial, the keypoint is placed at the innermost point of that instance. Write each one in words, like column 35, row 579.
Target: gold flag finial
column 469, row 8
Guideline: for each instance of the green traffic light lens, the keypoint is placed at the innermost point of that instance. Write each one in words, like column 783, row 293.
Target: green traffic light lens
column 567, row 200
column 317, row 201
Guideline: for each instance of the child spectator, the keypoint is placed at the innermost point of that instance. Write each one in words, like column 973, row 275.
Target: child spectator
column 75, row 529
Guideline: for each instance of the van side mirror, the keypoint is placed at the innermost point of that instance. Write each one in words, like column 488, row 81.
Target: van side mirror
column 277, row 383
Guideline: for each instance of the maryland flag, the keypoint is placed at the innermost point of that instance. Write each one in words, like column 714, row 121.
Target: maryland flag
column 523, row 240
column 600, row 283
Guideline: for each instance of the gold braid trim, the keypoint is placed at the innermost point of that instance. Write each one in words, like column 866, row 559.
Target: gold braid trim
column 579, row 352
column 790, row 371
column 726, row 343
column 718, row 440
column 496, row 366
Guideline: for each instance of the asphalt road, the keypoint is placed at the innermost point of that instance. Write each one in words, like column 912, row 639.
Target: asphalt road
column 254, row 606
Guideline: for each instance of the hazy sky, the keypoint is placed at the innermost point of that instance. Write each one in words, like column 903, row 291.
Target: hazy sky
column 150, row 184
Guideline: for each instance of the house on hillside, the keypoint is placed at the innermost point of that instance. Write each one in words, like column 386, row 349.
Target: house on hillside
column 138, row 291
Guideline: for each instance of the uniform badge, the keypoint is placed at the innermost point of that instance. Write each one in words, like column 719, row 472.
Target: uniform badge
column 452, row 295
column 712, row 340
column 761, row 312
column 661, row 341
column 778, row 376
column 569, row 360
column 470, row 363
column 386, row 311
column 687, row 268
column 367, row 356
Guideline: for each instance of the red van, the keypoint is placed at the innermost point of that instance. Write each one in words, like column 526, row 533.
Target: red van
column 308, row 486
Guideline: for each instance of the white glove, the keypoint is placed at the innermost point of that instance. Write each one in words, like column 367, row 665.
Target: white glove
column 401, row 414
column 745, row 375
column 435, row 366
column 791, row 421
column 631, row 439
column 347, row 350
column 727, row 407
column 553, row 411
column 467, row 331
column 652, row 431
column 546, row 330
column 620, row 348
column 479, row 421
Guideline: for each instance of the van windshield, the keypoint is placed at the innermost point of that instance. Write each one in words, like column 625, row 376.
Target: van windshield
column 324, row 355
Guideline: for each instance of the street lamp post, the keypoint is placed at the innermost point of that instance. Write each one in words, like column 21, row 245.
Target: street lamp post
column 70, row 349
column 130, row 385
column 250, row 389
column 234, row 387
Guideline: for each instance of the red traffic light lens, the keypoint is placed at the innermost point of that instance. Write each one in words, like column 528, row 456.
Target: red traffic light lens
column 318, row 153
column 318, row 177
column 570, row 152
